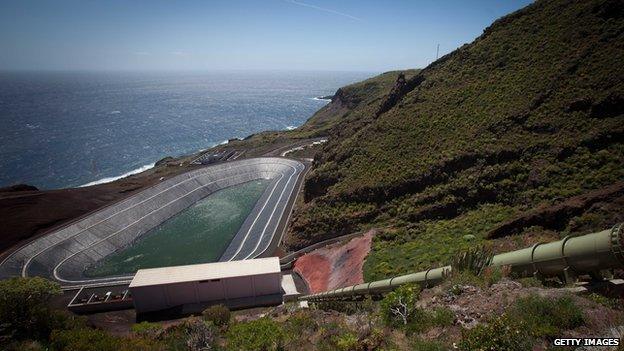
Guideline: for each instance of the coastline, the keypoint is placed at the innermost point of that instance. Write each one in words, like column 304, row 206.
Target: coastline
column 114, row 178
column 30, row 214
column 149, row 166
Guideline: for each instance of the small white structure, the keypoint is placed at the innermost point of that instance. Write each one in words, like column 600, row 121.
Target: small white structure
column 236, row 284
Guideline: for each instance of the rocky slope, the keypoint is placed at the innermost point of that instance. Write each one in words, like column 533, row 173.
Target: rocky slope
column 528, row 115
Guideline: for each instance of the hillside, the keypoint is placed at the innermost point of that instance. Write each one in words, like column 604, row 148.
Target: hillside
column 526, row 117
column 513, row 139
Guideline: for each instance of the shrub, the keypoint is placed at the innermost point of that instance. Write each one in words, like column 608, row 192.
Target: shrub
column 348, row 307
column 399, row 306
column 425, row 345
column 375, row 339
column 530, row 282
column 546, row 317
column 199, row 335
column 192, row 334
column 530, row 317
column 501, row 334
column 25, row 345
column 24, row 310
column 147, row 329
column 217, row 314
column 399, row 309
column 442, row 317
column 299, row 325
column 605, row 301
column 86, row 339
column 347, row 342
column 329, row 332
column 262, row 334
column 422, row 320
column 474, row 260
column 419, row 322
column 472, row 267
column 489, row 276
column 492, row 275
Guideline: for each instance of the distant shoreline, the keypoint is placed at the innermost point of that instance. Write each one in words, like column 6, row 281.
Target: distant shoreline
column 139, row 117
column 147, row 167
column 324, row 98
column 114, row 178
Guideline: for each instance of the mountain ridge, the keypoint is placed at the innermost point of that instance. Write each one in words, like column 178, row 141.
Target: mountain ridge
column 499, row 122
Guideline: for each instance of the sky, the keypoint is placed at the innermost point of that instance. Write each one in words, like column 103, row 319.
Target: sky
column 353, row 35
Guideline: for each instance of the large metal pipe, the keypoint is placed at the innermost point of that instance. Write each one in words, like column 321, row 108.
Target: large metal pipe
column 569, row 257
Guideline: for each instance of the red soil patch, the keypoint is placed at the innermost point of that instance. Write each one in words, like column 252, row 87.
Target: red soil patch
column 335, row 266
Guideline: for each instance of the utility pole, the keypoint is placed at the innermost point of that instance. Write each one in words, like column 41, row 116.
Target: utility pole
column 437, row 51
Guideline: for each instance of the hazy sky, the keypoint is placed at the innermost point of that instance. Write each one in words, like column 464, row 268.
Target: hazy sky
column 231, row 34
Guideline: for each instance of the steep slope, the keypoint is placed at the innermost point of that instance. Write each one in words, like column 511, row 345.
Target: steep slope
column 353, row 104
column 527, row 115
column 26, row 212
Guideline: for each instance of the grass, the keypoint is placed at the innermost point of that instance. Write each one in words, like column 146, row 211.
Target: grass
column 427, row 345
column 547, row 317
column 501, row 334
column 430, row 243
column 261, row 334
column 528, row 114
column 613, row 303
column 531, row 318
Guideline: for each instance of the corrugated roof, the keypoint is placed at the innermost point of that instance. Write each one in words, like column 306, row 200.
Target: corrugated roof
column 205, row 271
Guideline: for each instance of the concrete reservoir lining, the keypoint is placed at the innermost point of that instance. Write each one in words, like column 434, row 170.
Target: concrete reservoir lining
column 64, row 254
column 198, row 234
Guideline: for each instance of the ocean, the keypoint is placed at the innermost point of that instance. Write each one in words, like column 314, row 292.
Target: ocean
column 69, row 129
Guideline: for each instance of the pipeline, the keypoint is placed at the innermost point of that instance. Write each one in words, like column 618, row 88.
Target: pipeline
column 566, row 258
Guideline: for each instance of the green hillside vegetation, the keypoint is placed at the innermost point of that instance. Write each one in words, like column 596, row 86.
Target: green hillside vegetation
column 353, row 105
column 513, row 139
column 405, row 319
column 528, row 115
column 350, row 109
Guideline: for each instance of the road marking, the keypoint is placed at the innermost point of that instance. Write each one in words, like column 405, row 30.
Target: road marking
column 289, row 213
column 271, row 217
column 268, row 221
column 240, row 247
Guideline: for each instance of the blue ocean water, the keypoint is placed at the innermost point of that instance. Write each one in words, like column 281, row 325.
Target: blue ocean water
column 63, row 129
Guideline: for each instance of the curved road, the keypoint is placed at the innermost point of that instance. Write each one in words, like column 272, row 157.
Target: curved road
column 62, row 255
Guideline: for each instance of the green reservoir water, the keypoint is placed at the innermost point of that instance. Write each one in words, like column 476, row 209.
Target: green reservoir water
column 199, row 234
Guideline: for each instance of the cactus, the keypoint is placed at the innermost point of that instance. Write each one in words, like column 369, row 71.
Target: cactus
column 474, row 260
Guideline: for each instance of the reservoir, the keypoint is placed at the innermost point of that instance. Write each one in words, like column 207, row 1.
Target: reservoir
column 198, row 234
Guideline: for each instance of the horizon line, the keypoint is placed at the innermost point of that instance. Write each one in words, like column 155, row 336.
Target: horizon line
column 173, row 70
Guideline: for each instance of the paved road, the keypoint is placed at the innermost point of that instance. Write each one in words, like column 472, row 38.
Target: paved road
column 63, row 254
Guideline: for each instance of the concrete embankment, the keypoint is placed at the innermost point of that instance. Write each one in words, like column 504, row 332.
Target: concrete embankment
column 63, row 254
